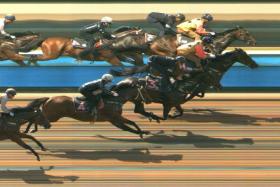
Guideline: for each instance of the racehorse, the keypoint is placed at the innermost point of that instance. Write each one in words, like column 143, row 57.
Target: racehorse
column 222, row 40
column 63, row 106
column 54, row 47
column 9, row 48
column 214, row 71
column 10, row 126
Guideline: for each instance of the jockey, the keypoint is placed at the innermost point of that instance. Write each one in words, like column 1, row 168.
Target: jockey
column 94, row 32
column 166, row 67
column 165, row 22
column 196, row 51
column 195, row 27
column 8, row 19
column 9, row 95
column 94, row 90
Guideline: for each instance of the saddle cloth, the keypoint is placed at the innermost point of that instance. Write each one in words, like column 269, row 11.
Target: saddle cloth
column 81, row 104
column 79, row 43
column 153, row 82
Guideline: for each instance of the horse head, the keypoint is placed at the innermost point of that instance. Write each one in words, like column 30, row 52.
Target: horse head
column 243, row 35
column 38, row 115
column 243, row 58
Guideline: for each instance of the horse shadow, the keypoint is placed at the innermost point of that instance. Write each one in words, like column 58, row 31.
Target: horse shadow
column 213, row 115
column 142, row 155
column 197, row 140
column 35, row 176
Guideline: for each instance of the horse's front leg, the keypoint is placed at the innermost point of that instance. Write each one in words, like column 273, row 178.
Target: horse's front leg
column 17, row 139
column 28, row 127
column 166, row 110
column 139, row 108
column 179, row 112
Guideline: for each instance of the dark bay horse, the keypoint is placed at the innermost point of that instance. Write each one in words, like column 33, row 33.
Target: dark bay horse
column 64, row 106
column 224, row 39
column 10, row 126
column 213, row 73
column 9, row 49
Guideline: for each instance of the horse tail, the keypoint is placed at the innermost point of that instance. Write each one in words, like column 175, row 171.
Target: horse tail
column 130, row 71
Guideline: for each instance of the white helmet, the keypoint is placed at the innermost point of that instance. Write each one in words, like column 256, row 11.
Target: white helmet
column 107, row 77
column 106, row 19
column 11, row 91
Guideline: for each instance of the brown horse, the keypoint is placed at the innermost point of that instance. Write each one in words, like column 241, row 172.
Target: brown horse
column 9, row 48
column 63, row 106
column 54, row 47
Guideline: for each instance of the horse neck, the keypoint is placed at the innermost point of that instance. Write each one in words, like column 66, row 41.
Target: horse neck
column 127, row 94
column 224, row 62
column 25, row 39
column 225, row 41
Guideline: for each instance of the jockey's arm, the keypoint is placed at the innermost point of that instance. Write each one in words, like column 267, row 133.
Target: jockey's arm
column 3, row 32
column 90, row 29
column 4, row 107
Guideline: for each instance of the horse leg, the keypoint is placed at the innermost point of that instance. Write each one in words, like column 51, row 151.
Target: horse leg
column 166, row 110
column 34, row 139
column 117, row 122
column 115, row 61
column 50, row 51
column 21, row 143
column 127, row 121
column 35, row 128
column 139, row 108
column 28, row 127
column 17, row 58
column 179, row 112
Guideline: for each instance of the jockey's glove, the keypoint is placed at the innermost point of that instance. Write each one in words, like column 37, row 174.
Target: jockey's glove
column 212, row 33
column 11, row 114
column 167, row 26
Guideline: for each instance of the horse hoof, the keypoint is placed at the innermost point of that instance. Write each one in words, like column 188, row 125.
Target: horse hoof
column 33, row 131
column 44, row 149
column 38, row 158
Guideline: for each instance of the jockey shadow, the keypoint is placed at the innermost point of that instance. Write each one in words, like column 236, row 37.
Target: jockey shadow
column 197, row 140
column 35, row 176
column 215, row 115
column 142, row 155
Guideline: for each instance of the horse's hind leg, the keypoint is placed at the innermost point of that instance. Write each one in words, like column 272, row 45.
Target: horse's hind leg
column 127, row 121
column 121, row 125
column 21, row 143
column 34, row 139
column 12, row 55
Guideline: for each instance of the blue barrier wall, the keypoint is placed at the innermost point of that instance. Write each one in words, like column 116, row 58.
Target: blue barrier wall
column 267, row 75
column 238, row 76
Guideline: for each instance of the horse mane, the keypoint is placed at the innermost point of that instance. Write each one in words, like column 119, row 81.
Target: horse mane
column 227, row 31
column 36, row 103
column 124, row 28
column 22, row 34
column 126, row 83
